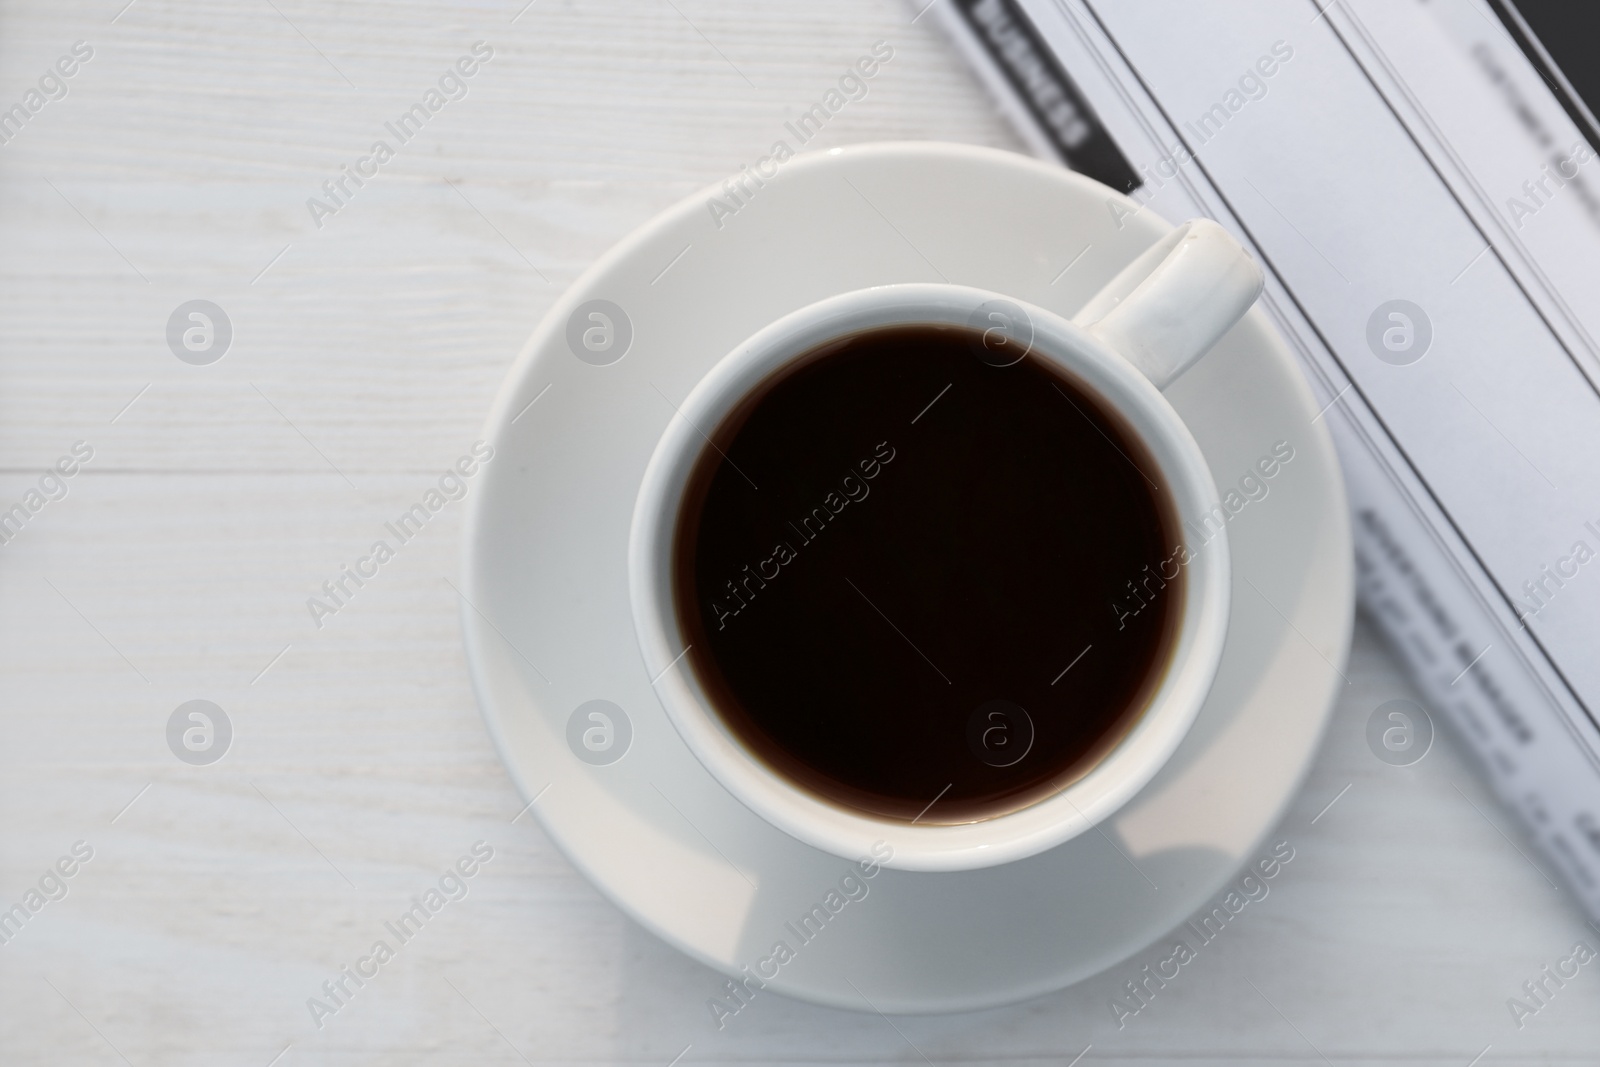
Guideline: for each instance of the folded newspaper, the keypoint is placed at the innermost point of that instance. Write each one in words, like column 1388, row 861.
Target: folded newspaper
column 1418, row 178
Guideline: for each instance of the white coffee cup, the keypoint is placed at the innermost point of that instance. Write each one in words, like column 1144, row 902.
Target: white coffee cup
column 1155, row 318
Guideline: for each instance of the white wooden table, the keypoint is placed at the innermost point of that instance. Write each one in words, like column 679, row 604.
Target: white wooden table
column 219, row 898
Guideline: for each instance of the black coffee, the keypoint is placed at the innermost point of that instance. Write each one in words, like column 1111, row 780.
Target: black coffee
column 922, row 586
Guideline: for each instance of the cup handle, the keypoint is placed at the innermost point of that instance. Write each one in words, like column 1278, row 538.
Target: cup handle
column 1170, row 305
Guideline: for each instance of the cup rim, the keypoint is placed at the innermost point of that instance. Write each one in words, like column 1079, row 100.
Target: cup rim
column 1120, row 774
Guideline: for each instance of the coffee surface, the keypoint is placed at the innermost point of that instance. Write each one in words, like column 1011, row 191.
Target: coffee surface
column 922, row 586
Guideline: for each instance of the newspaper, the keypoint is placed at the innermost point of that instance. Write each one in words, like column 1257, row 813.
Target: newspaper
column 1420, row 181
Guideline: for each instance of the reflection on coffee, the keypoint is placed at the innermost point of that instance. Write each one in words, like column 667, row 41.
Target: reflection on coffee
column 894, row 567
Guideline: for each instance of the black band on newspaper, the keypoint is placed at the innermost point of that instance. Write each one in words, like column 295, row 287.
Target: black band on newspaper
column 1043, row 88
column 1558, row 38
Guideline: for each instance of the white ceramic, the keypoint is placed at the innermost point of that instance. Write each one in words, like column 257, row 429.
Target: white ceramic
column 548, row 624
column 1149, row 324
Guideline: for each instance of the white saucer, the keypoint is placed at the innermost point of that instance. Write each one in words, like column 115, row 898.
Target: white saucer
column 549, row 626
